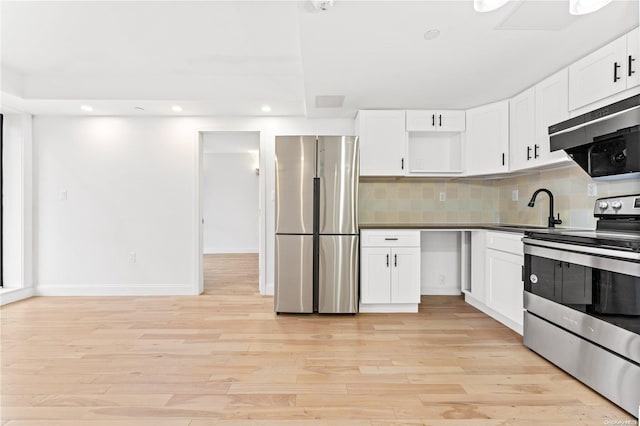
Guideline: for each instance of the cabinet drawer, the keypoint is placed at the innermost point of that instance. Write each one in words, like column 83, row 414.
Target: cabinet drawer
column 390, row 238
column 435, row 120
column 421, row 120
column 505, row 241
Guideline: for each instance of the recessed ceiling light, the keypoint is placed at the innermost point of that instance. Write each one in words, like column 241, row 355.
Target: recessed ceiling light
column 266, row 108
column 176, row 108
column 432, row 34
column 86, row 108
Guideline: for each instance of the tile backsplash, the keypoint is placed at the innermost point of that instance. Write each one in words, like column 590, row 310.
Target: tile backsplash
column 418, row 200
column 569, row 188
column 487, row 201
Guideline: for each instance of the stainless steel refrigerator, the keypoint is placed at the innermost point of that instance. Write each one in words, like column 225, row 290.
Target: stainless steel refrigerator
column 316, row 224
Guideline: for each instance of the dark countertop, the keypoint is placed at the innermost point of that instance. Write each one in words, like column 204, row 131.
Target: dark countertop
column 455, row 226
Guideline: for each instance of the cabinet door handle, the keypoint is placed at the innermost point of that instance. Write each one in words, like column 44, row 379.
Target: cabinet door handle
column 528, row 154
column 402, row 164
column 433, row 120
column 631, row 71
column 440, row 120
column 615, row 72
column 387, row 261
column 391, row 239
column 535, row 151
column 395, row 260
column 503, row 158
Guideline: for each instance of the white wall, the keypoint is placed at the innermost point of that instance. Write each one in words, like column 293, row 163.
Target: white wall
column 230, row 202
column 17, row 196
column 440, row 263
column 132, row 185
column 108, row 187
column 12, row 183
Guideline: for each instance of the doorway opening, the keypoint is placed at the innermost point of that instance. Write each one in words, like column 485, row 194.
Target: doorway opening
column 230, row 210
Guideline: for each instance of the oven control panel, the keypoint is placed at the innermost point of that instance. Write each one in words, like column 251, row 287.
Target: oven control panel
column 618, row 206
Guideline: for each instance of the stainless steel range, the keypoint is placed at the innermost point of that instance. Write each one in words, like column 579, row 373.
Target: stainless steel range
column 582, row 300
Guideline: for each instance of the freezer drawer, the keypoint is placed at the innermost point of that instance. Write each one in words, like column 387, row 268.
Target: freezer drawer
column 294, row 273
column 295, row 170
column 338, row 174
column 338, row 274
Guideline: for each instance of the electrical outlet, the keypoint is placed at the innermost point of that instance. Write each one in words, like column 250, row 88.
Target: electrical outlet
column 132, row 257
column 443, row 196
column 514, row 195
column 442, row 281
column 592, row 190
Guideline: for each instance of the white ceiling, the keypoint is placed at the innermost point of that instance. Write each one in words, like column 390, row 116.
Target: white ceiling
column 232, row 57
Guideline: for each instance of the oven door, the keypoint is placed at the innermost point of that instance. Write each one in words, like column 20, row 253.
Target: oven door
column 594, row 295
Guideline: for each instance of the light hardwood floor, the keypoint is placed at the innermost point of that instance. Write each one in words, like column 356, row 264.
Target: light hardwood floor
column 224, row 358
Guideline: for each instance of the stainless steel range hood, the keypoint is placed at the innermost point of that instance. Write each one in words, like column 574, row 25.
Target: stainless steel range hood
column 604, row 142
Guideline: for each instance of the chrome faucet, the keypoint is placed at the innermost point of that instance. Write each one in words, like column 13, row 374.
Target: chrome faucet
column 552, row 221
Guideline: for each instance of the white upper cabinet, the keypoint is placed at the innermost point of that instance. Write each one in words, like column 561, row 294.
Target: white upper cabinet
column 523, row 148
column 434, row 153
column 633, row 53
column 605, row 72
column 530, row 115
column 434, row 142
column 382, row 142
column 435, row 121
column 487, row 144
column 552, row 107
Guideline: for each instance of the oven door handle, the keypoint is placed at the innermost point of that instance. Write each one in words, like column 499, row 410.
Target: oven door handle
column 598, row 251
column 593, row 261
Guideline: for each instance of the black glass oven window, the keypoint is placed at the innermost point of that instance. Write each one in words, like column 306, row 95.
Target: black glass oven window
column 610, row 296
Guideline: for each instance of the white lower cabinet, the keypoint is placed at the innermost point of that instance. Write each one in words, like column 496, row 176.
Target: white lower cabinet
column 496, row 286
column 504, row 284
column 390, row 271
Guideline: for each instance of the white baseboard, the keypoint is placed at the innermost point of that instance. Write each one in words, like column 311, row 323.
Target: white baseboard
column 388, row 307
column 10, row 295
column 440, row 291
column 115, row 290
column 222, row 250
column 270, row 290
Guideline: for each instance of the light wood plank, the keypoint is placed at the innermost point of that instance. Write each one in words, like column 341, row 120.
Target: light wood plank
column 224, row 358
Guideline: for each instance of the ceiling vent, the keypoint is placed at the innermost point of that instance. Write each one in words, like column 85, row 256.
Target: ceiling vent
column 329, row 101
